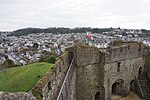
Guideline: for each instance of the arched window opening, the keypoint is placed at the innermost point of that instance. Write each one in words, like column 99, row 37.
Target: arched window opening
column 97, row 96
column 117, row 87
column 132, row 85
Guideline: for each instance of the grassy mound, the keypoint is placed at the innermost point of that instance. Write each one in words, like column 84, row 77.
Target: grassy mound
column 23, row 78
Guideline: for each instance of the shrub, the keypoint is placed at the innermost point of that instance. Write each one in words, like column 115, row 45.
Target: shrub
column 51, row 59
column 9, row 63
column 43, row 59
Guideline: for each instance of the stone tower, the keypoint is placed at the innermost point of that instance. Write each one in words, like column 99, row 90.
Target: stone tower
column 103, row 72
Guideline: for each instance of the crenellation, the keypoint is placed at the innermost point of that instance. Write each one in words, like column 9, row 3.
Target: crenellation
column 128, row 51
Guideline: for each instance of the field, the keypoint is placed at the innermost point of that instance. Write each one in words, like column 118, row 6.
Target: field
column 22, row 78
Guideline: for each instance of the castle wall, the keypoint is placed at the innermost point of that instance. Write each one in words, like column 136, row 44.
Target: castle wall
column 57, row 78
column 123, row 52
column 87, row 55
column 67, row 91
column 72, row 88
column 16, row 96
column 88, row 79
column 147, row 62
column 49, row 86
column 123, row 65
column 95, row 72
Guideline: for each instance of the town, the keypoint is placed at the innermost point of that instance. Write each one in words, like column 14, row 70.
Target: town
column 34, row 56
column 30, row 48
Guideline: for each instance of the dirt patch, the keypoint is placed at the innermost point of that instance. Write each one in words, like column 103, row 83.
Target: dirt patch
column 130, row 96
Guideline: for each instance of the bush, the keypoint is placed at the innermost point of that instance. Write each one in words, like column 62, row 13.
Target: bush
column 51, row 59
column 9, row 63
column 43, row 59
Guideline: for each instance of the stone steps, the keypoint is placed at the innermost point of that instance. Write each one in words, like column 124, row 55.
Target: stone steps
column 145, row 85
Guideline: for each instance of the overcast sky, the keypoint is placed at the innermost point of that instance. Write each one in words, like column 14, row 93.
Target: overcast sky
column 15, row 14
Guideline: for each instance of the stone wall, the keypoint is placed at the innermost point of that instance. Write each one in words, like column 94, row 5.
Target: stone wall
column 87, row 55
column 73, row 88
column 97, row 69
column 88, row 82
column 89, row 77
column 68, row 89
column 128, row 51
column 122, row 63
column 49, row 86
column 147, row 61
column 16, row 96
column 56, row 80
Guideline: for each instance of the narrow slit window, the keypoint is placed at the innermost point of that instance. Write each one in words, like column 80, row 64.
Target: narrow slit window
column 49, row 85
column 118, row 66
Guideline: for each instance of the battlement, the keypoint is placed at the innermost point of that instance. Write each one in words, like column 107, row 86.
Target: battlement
column 86, row 55
column 122, row 52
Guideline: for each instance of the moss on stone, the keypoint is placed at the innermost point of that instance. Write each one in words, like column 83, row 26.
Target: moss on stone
column 37, row 89
column 37, row 94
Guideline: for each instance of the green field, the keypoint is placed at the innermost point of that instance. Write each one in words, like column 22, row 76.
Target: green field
column 23, row 78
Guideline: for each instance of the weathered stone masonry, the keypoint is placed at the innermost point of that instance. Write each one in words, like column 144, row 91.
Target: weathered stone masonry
column 49, row 86
column 99, row 70
column 16, row 96
column 122, row 63
column 98, row 73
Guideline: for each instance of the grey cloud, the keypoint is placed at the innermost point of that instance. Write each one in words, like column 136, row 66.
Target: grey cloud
column 16, row 14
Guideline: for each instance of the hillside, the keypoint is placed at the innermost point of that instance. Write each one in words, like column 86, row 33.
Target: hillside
column 59, row 30
column 23, row 78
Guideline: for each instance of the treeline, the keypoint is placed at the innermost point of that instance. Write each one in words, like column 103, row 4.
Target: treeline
column 60, row 30
column 145, row 31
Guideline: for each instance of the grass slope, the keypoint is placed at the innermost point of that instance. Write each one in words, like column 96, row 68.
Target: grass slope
column 22, row 78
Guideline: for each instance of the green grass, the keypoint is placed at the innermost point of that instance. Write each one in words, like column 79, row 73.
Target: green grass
column 23, row 78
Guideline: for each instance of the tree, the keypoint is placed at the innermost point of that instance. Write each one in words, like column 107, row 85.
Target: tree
column 35, row 45
column 9, row 63
column 45, row 52
column 52, row 59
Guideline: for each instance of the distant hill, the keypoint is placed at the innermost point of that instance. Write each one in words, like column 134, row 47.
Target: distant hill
column 59, row 30
column 63, row 30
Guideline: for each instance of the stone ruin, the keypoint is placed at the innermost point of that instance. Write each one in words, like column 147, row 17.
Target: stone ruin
column 97, row 74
